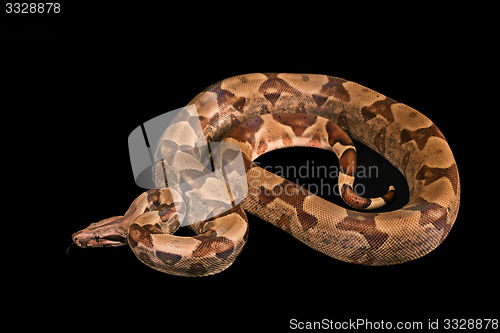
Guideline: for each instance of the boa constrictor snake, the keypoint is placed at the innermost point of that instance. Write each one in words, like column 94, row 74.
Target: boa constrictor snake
column 265, row 111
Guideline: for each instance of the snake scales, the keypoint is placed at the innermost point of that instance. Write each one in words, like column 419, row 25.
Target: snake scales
column 265, row 111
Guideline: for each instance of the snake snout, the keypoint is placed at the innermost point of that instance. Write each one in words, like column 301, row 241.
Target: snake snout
column 79, row 239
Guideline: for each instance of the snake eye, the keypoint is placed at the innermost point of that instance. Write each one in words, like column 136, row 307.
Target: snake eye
column 97, row 238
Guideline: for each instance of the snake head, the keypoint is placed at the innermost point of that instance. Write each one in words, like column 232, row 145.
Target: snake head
column 109, row 232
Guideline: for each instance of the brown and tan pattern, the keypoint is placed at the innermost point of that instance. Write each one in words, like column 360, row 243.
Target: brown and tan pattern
column 268, row 132
column 265, row 111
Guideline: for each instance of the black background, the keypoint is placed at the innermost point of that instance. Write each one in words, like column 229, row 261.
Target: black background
column 78, row 84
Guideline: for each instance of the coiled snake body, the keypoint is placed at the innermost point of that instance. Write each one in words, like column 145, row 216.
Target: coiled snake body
column 261, row 112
